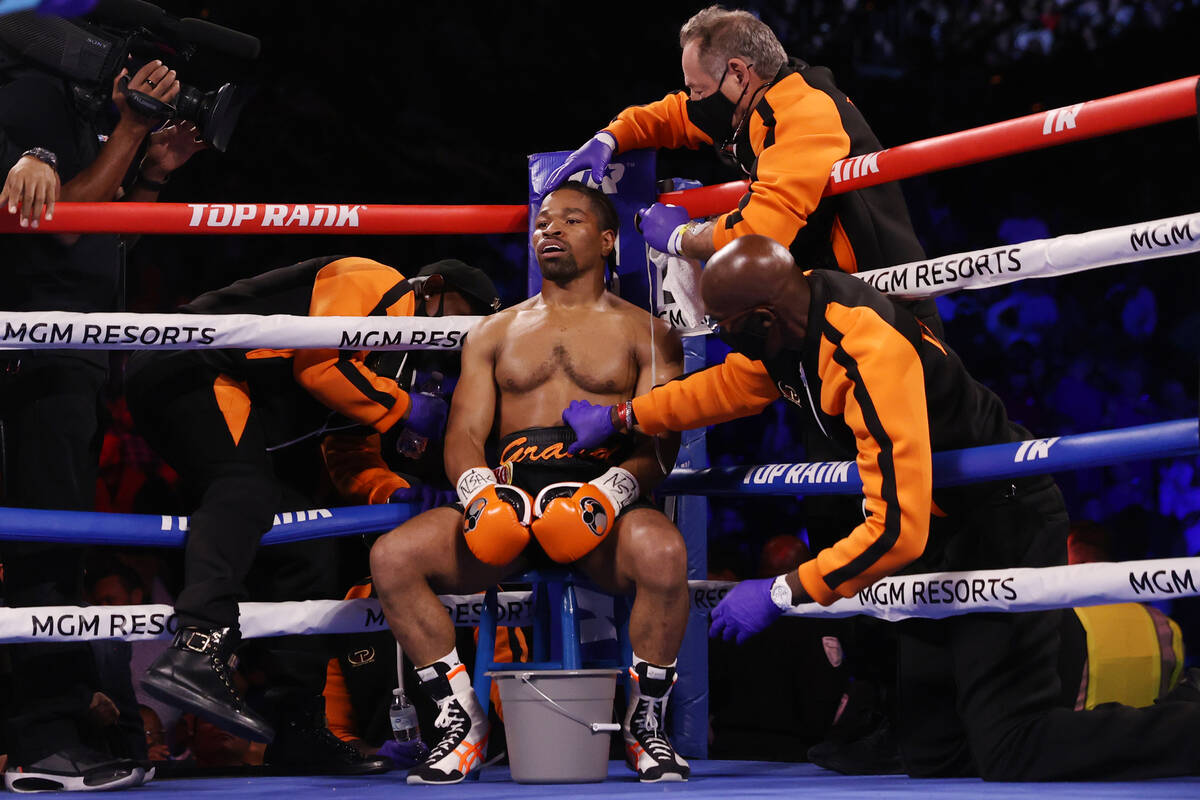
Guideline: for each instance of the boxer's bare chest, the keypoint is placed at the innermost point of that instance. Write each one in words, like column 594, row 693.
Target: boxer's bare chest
column 589, row 351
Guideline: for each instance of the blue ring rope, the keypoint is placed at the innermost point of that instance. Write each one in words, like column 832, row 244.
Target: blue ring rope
column 951, row 468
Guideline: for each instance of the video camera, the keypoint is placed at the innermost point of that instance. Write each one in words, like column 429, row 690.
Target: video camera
column 121, row 34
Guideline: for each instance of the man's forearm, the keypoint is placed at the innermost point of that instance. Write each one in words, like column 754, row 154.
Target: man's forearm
column 653, row 459
column 461, row 453
column 100, row 180
column 697, row 241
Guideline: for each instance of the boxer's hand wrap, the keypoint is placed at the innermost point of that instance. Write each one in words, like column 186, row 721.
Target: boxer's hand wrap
column 496, row 517
column 472, row 482
column 571, row 519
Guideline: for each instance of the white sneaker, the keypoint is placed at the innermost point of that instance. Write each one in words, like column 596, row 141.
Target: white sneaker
column 464, row 728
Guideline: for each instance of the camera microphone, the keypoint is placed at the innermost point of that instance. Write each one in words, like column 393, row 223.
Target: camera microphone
column 218, row 37
column 129, row 12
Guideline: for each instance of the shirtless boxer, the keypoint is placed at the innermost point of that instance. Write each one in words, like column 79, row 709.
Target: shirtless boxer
column 520, row 367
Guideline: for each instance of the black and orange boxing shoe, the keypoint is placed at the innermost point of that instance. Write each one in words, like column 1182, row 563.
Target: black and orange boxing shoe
column 647, row 749
column 461, row 721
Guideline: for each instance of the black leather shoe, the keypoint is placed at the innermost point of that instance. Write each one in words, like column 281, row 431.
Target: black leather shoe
column 196, row 674
column 74, row 769
column 305, row 746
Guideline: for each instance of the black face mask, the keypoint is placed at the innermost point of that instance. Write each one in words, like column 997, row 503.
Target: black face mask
column 714, row 116
column 750, row 338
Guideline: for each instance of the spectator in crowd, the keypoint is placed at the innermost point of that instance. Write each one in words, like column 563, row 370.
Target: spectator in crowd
column 156, row 737
column 806, row 689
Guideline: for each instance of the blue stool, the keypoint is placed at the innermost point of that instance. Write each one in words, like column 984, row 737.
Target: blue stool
column 556, row 643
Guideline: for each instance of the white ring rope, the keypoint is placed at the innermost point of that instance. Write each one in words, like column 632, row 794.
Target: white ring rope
column 30, row 330
column 976, row 269
column 930, row 596
column 1039, row 258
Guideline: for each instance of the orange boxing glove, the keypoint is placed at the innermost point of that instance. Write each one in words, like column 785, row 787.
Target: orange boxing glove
column 496, row 517
column 571, row 519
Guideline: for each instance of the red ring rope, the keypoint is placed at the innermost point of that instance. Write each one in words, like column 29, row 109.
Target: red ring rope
column 1139, row 108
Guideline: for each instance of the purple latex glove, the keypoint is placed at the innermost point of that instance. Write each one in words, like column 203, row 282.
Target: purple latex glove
column 594, row 156
column 662, row 226
column 426, row 414
column 745, row 611
column 592, row 424
column 404, row 754
column 424, row 496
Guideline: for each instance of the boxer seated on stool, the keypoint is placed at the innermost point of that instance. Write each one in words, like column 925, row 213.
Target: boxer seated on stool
column 519, row 369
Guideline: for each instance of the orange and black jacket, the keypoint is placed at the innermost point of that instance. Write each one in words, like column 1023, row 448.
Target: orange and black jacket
column 879, row 385
column 800, row 127
column 294, row 391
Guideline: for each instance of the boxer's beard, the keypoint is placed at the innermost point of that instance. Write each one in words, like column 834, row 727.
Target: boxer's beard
column 562, row 269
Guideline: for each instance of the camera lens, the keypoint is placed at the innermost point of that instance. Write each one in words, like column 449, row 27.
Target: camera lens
column 215, row 113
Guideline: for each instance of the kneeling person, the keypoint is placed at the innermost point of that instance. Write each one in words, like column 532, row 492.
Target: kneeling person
column 552, row 501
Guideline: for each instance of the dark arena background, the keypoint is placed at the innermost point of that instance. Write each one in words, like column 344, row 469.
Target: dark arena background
column 441, row 103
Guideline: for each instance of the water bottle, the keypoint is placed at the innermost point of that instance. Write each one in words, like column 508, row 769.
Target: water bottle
column 409, row 443
column 403, row 716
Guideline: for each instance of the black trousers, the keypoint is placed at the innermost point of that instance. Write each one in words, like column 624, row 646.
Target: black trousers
column 232, row 481
column 52, row 435
column 979, row 694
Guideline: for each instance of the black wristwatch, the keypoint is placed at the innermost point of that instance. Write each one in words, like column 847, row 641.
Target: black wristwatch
column 43, row 155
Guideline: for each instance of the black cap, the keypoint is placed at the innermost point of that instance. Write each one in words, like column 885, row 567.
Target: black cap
column 472, row 283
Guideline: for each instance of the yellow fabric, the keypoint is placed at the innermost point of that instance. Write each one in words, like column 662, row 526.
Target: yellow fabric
column 1180, row 651
column 1124, row 656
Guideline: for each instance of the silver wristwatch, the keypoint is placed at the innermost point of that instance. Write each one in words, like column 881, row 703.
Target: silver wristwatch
column 781, row 593
column 43, row 155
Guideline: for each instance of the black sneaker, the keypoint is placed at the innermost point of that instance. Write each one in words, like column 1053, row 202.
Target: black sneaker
column 303, row 745
column 196, row 674
column 462, row 723
column 874, row 754
column 74, row 769
column 647, row 749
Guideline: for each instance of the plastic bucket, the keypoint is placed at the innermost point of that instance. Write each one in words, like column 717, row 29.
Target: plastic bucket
column 558, row 723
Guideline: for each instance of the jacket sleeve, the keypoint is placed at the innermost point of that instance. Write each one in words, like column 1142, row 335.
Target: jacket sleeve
column 339, row 711
column 792, row 169
column 355, row 287
column 663, row 123
column 356, row 467
column 738, row 387
column 873, row 378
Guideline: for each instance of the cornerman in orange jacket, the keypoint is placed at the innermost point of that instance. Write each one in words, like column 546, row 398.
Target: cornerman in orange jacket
column 785, row 124
column 977, row 694
column 214, row 415
column 369, row 467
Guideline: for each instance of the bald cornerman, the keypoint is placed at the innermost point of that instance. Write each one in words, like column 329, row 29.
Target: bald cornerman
column 976, row 694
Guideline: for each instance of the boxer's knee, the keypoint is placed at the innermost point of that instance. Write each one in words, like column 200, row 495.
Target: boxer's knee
column 655, row 553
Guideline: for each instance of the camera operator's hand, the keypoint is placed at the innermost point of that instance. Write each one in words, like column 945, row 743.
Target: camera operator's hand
column 33, row 185
column 154, row 79
column 170, row 148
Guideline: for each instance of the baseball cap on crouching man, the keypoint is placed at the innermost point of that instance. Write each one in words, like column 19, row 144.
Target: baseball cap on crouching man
column 471, row 283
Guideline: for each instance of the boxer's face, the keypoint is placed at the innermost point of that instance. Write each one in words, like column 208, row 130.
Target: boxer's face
column 567, row 238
